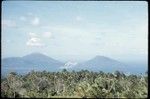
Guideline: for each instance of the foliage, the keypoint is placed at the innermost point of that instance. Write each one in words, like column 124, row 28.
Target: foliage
column 74, row 84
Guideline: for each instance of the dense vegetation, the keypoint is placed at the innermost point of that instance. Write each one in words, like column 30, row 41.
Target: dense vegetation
column 74, row 84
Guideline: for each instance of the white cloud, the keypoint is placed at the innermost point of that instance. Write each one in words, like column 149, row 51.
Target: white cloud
column 8, row 23
column 34, row 41
column 35, row 21
column 69, row 65
column 32, row 34
column 31, row 19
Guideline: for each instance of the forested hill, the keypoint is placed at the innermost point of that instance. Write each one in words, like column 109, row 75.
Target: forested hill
column 73, row 84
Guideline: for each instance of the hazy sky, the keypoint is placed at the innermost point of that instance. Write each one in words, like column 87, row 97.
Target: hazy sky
column 75, row 29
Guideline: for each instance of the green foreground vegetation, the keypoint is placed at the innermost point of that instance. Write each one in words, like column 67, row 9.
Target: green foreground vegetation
column 81, row 84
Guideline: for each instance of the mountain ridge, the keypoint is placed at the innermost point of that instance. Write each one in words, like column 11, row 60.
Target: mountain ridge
column 40, row 61
column 33, row 61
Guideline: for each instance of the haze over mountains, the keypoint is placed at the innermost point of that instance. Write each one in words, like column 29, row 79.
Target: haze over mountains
column 40, row 62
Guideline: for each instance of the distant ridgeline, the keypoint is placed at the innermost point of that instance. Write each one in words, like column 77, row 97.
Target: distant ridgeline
column 39, row 62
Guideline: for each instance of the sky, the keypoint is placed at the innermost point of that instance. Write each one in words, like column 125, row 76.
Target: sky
column 75, row 30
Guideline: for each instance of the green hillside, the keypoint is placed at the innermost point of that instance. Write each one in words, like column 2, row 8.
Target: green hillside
column 81, row 84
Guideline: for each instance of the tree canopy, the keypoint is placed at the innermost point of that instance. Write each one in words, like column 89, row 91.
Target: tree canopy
column 81, row 84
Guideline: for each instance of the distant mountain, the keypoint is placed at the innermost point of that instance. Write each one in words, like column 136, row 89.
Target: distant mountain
column 101, row 63
column 42, row 60
column 34, row 61
column 38, row 61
